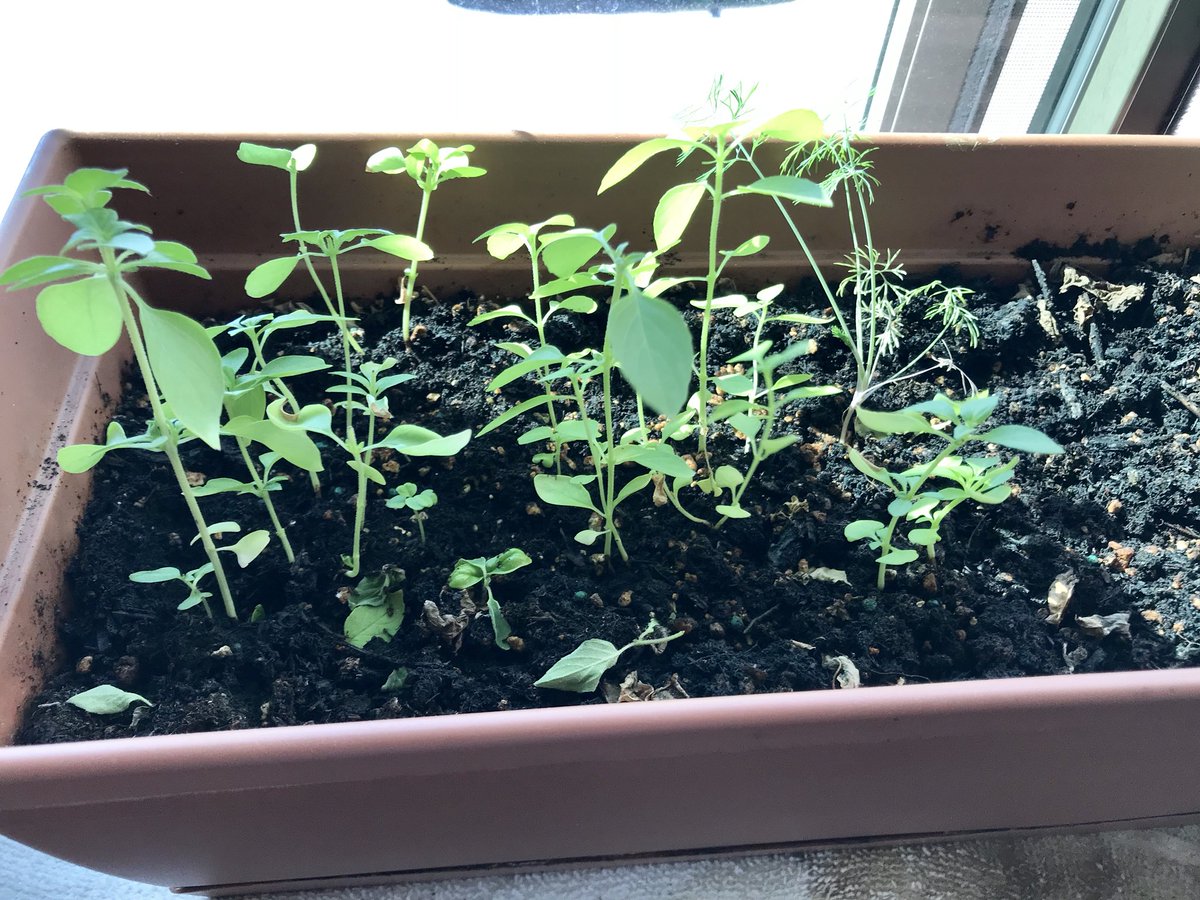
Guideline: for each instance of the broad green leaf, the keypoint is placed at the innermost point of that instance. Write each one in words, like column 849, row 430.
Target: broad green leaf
column 899, row 507
column 413, row 440
column 221, row 486
column 389, row 161
column 749, row 247
column 84, row 316
column 565, row 253
column 1021, row 437
column 577, row 304
column 862, row 528
column 521, row 408
column 657, row 457
column 512, row 311
column 940, row 406
column 187, row 368
column 265, row 278
column 367, row 622
column 155, row 576
column 582, row 668
column 563, row 490
column 291, row 366
column 788, row 187
column 403, row 246
column 895, row 422
column 802, row 319
column 633, row 159
column 923, row 537
column 978, row 407
column 79, row 458
column 40, row 269
column 257, row 614
column 258, row 155
column 293, row 444
column 249, row 547
column 653, row 346
column 467, row 573
column 727, row 477
column 807, row 393
column 674, row 212
column 105, row 700
column 250, row 403
column 634, row 485
column 898, row 557
column 796, row 126
column 868, row 468
column 218, row 528
column 540, row 358
column 587, row 537
column 508, row 561
column 500, row 627
column 732, row 512
column 371, row 473
column 775, row 444
column 314, row 417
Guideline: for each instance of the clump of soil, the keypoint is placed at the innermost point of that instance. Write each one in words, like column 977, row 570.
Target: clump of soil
column 1119, row 512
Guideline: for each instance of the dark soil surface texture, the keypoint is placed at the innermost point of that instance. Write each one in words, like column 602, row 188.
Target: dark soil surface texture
column 1113, row 378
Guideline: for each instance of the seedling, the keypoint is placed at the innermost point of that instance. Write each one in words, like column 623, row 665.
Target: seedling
column 428, row 165
column 564, row 254
column 581, row 669
column 649, row 341
column 365, row 394
column 754, row 400
column 983, row 479
column 376, row 608
column 469, row 572
column 721, row 147
column 87, row 305
column 408, row 497
column 873, row 329
column 246, row 550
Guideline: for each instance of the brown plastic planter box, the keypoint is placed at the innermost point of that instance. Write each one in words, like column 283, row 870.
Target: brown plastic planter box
column 321, row 804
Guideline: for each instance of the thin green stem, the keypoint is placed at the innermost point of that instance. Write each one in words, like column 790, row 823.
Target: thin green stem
column 260, row 488
column 886, row 541
column 410, row 281
column 346, row 340
column 171, row 445
column 284, row 391
column 710, row 291
column 360, row 501
column 539, row 323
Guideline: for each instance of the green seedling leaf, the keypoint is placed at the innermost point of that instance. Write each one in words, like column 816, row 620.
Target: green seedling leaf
column 508, row 561
column 578, row 304
column 796, row 126
column 364, row 623
column 898, row 557
column 258, row 155
column 872, row 471
column 675, row 211
column 633, row 159
column 863, row 528
column 901, row 422
column 291, row 366
column 84, row 316
column 788, row 187
column 395, row 681
column 500, row 626
column 587, row 537
column 106, row 700
column 257, row 614
column 732, row 512
column 565, row 252
column 563, row 490
column 218, row 528
column 41, row 269
column 370, row 472
column 403, row 246
column 977, row 408
column 187, row 366
column 1023, row 438
column 653, row 346
column 727, row 477
column 467, row 573
column 155, row 576
column 923, row 537
column 413, row 440
column 249, row 547
column 546, row 355
column 634, row 485
column 581, row 669
column 749, row 247
column 315, row 417
column 512, row 311
column 265, row 278
column 291, row 443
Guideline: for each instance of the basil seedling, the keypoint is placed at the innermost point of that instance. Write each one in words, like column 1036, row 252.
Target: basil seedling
column 469, row 572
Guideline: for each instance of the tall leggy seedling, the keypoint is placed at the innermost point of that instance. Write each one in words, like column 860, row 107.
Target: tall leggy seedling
column 87, row 305
column 428, row 165
column 720, row 148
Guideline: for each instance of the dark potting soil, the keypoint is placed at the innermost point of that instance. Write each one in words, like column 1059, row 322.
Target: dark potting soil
column 1119, row 512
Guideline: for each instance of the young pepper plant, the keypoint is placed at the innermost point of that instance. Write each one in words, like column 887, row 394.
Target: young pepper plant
column 87, row 305
column 429, row 166
column 983, row 479
column 469, row 572
column 721, row 147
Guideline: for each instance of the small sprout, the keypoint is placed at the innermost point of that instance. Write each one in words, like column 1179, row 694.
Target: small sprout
column 395, row 681
column 469, row 572
column 106, row 700
column 580, row 670
column 407, row 497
